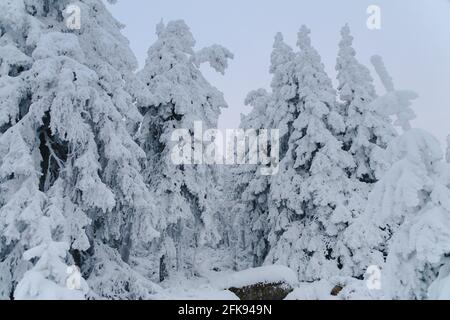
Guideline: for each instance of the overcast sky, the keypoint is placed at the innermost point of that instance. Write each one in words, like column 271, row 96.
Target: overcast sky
column 414, row 40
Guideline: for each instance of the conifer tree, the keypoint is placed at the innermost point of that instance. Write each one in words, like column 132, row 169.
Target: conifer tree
column 251, row 189
column 70, row 178
column 404, row 230
column 309, row 197
column 183, row 98
column 368, row 131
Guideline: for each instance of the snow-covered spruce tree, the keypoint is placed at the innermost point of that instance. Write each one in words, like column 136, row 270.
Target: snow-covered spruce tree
column 250, row 194
column 368, row 131
column 309, row 205
column 283, row 109
column 420, row 212
column 186, row 193
column 70, row 181
column 405, row 229
column 275, row 110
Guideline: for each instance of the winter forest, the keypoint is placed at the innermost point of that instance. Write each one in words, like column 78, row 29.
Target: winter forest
column 358, row 208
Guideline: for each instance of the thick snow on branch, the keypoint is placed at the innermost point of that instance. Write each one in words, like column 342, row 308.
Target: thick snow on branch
column 395, row 102
column 216, row 55
column 380, row 68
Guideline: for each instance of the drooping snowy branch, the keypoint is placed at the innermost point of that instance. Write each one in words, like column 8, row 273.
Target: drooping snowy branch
column 395, row 102
column 380, row 68
column 216, row 55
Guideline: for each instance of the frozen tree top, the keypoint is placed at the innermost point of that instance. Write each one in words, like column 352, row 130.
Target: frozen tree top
column 282, row 53
column 178, row 33
column 304, row 40
column 347, row 39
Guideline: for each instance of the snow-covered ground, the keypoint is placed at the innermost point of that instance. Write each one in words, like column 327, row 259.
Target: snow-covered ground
column 213, row 285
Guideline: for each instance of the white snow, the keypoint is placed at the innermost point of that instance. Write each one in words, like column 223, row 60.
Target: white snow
column 86, row 174
column 212, row 285
column 320, row 290
column 195, row 294
column 266, row 274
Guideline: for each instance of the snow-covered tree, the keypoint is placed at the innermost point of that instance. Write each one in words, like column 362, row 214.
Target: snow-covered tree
column 185, row 193
column 70, row 170
column 310, row 205
column 48, row 279
column 394, row 102
column 405, row 228
column 250, row 191
column 421, row 245
column 285, row 96
column 275, row 110
column 368, row 130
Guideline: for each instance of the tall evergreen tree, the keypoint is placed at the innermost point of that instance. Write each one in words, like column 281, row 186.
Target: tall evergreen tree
column 404, row 229
column 70, row 180
column 283, row 110
column 368, row 131
column 309, row 197
column 186, row 193
column 367, row 134
column 250, row 191
column 275, row 110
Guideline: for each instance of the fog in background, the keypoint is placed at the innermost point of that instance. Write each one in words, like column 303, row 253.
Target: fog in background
column 414, row 41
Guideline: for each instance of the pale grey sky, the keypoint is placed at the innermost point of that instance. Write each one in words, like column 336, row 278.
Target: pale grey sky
column 414, row 41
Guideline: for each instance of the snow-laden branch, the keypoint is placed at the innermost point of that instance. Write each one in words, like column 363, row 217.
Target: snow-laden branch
column 216, row 55
column 394, row 102
column 380, row 68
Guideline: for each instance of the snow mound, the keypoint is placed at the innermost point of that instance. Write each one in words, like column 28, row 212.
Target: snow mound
column 200, row 294
column 440, row 288
column 320, row 290
column 266, row 274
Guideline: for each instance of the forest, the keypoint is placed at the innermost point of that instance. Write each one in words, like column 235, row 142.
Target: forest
column 349, row 194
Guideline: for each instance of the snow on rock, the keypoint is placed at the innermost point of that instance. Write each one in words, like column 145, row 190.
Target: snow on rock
column 335, row 288
column 266, row 274
column 319, row 290
column 356, row 289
